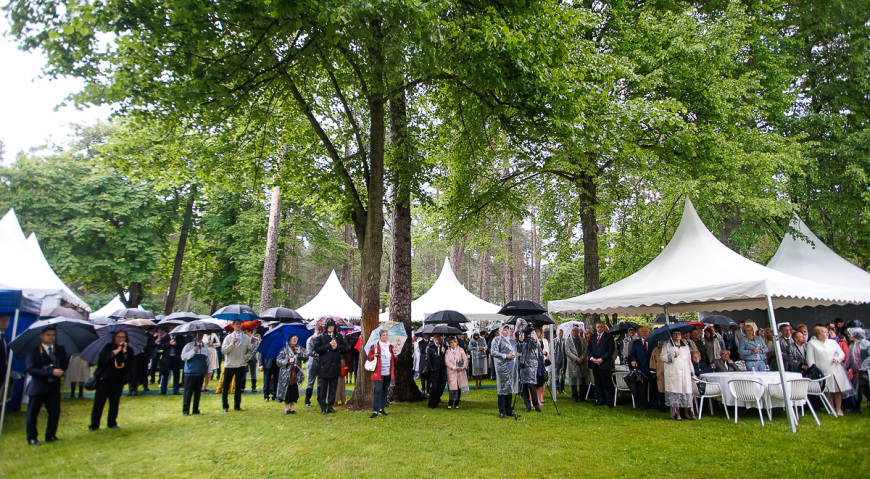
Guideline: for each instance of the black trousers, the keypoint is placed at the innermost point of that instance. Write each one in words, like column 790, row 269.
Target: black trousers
column 252, row 368
column 111, row 391
column 436, row 386
column 52, row 405
column 603, row 385
column 270, row 382
column 237, row 375
column 326, row 392
column 192, row 387
column 529, row 391
column 424, row 383
column 504, row 404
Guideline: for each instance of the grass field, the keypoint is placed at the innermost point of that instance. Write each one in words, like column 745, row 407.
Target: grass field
column 156, row 441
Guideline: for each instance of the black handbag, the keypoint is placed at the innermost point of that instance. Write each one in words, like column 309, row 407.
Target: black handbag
column 813, row 372
column 91, row 383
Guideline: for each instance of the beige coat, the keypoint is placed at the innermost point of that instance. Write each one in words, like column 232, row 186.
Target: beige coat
column 656, row 364
column 456, row 379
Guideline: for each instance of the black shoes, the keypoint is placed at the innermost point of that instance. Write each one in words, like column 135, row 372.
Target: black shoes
column 114, row 427
column 238, row 409
column 225, row 409
column 330, row 410
column 287, row 412
column 185, row 413
column 92, row 428
column 537, row 408
column 34, row 442
column 196, row 412
column 52, row 439
column 528, row 409
column 383, row 413
column 374, row 415
column 501, row 415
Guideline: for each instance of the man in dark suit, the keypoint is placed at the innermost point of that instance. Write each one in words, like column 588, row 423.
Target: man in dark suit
column 45, row 365
column 437, row 370
column 724, row 364
column 601, row 347
column 170, row 346
column 270, row 373
column 639, row 356
column 4, row 350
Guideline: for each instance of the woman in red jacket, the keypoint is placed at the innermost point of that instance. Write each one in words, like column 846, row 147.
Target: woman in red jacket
column 384, row 372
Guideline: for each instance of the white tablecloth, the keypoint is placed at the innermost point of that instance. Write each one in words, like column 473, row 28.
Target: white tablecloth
column 767, row 378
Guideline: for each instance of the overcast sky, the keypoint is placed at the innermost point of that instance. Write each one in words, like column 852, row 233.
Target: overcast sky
column 27, row 103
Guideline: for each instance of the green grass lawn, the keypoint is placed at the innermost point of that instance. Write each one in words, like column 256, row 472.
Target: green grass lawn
column 155, row 440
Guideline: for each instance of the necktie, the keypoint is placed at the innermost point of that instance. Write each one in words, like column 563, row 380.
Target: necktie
column 646, row 347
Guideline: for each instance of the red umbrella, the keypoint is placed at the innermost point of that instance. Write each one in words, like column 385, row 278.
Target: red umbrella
column 697, row 324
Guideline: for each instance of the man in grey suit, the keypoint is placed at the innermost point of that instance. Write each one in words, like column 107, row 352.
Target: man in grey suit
column 724, row 364
column 575, row 357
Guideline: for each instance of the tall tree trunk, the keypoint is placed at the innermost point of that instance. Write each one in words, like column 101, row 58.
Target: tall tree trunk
column 400, row 257
column 589, row 223
column 186, row 223
column 270, row 263
column 347, row 268
column 457, row 253
column 508, row 268
column 485, row 275
column 520, row 257
column 536, row 261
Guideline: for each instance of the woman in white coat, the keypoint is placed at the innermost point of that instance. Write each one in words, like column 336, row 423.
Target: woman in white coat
column 677, row 358
column 828, row 356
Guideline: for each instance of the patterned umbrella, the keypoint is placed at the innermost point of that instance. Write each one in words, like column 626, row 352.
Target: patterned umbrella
column 322, row 322
column 397, row 336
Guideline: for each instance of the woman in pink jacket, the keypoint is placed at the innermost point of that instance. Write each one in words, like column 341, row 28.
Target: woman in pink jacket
column 384, row 372
column 456, row 362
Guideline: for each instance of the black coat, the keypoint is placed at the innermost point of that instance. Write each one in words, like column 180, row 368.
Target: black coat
column 167, row 360
column 602, row 349
column 424, row 360
column 435, row 359
column 40, row 367
column 108, row 369
column 329, row 359
column 4, row 357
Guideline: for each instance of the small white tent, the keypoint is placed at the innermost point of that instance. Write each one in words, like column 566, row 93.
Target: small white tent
column 816, row 261
column 110, row 307
column 449, row 293
column 695, row 272
column 332, row 300
column 24, row 267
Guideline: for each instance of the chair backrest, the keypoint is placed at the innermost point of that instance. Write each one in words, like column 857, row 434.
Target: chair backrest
column 619, row 379
column 799, row 388
column 818, row 386
column 775, row 390
column 746, row 389
column 695, row 389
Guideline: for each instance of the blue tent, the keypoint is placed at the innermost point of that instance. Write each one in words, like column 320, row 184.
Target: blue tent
column 22, row 311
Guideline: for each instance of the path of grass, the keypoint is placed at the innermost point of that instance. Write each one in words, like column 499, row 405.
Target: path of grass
column 155, row 440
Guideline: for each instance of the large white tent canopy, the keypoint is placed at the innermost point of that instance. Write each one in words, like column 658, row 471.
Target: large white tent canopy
column 110, row 307
column 449, row 293
column 332, row 300
column 811, row 259
column 24, row 267
column 696, row 272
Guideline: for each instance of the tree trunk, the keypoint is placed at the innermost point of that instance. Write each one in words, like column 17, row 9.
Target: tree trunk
column 267, row 290
column 347, row 268
column 400, row 258
column 536, row 263
column 186, row 223
column 519, row 283
column 589, row 223
column 458, row 252
column 485, row 275
column 508, row 268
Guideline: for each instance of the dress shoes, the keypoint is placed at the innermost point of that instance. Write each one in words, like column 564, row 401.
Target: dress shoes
column 115, row 427
column 383, row 413
column 196, row 412
column 225, row 409
column 185, row 413
column 330, row 410
column 537, row 408
column 92, row 428
column 34, row 442
column 501, row 415
column 238, row 409
column 528, row 409
column 52, row 439
column 374, row 415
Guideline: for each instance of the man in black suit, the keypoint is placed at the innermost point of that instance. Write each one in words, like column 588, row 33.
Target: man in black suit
column 171, row 346
column 437, row 370
column 45, row 365
column 639, row 356
column 601, row 348
column 270, row 373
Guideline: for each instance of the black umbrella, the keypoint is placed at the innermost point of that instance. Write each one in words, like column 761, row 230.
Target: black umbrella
column 446, row 317
column 623, row 326
column 236, row 311
column 182, row 315
column 352, row 338
column 446, row 330
column 285, row 315
column 661, row 319
column 127, row 313
column 136, row 338
column 719, row 319
column 167, row 323
column 101, row 321
column 194, row 327
column 664, row 333
column 855, row 324
column 62, row 312
column 427, row 329
column 522, row 307
column 534, row 319
column 73, row 334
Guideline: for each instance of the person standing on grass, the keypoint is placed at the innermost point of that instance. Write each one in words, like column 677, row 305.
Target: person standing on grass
column 112, row 373
column 601, row 347
column 676, row 356
column 195, row 357
column 384, row 371
column 576, row 363
column 170, row 346
column 825, row 353
column 561, row 364
column 290, row 374
column 423, row 346
column 437, row 372
column 456, row 363
column 45, row 365
column 330, row 347
column 313, row 364
column 253, row 357
column 237, row 348
column 504, row 354
column 213, row 343
column 479, row 368
column 270, row 372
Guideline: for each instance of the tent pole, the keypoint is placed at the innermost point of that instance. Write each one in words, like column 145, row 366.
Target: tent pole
column 552, row 357
column 786, row 390
column 8, row 370
column 667, row 316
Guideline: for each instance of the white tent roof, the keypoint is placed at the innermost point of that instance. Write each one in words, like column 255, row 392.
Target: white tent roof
column 448, row 293
column 695, row 272
column 797, row 257
column 332, row 300
column 23, row 266
column 110, row 307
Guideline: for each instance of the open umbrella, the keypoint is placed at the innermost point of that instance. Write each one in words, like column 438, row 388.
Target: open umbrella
column 427, row 329
column 127, row 313
column 236, row 311
column 136, row 338
column 275, row 340
column 197, row 326
column 322, row 322
column 696, row 324
column 397, row 335
column 446, row 330
column 285, row 315
column 855, row 324
column 664, row 333
column 73, row 334
column 223, row 323
column 352, row 337
column 167, row 324
column 624, row 326
column 534, row 319
column 182, row 315
column 101, row 321
column 140, row 323
column 522, row 307
column 60, row 311
column 446, row 316
column 661, row 319
column 719, row 319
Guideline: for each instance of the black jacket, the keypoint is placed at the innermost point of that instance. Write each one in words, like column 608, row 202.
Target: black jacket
column 113, row 368
column 435, row 359
column 167, row 360
column 4, row 357
column 40, row 367
column 329, row 359
column 601, row 350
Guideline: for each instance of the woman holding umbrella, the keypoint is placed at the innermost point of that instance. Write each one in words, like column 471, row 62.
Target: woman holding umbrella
column 386, row 355
column 291, row 375
column 112, row 373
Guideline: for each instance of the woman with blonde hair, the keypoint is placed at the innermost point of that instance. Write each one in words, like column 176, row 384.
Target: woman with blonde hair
column 456, row 362
column 826, row 354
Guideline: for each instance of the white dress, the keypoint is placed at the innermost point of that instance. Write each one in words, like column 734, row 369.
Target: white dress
column 213, row 343
column 678, row 374
column 823, row 355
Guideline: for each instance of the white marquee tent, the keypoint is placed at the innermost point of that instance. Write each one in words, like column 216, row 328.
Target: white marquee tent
column 110, row 307
column 24, row 267
column 449, row 293
column 332, row 300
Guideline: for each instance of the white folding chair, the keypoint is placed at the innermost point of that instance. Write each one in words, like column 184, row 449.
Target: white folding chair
column 817, row 388
column 747, row 391
column 620, row 386
column 799, row 392
column 711, row 391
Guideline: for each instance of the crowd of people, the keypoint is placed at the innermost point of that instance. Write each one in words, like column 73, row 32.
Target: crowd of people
column 517, row 357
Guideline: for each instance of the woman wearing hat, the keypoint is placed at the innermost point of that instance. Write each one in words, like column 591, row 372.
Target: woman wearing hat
column 330, row 347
